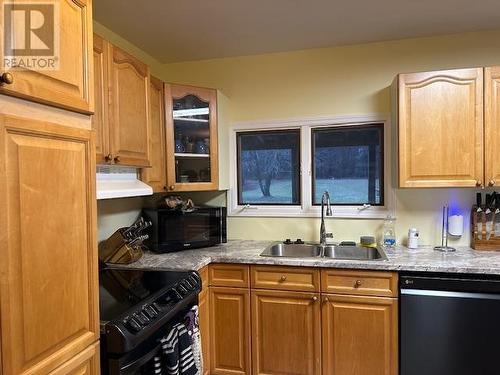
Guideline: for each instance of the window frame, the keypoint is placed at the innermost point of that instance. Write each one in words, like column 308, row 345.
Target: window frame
column 382, row 146
column 306, row 208
column 238, row 172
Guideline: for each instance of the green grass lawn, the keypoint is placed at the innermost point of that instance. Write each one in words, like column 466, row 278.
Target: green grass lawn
column 346, row 190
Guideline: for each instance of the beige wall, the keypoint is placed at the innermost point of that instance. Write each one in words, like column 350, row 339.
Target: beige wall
column 334, row 81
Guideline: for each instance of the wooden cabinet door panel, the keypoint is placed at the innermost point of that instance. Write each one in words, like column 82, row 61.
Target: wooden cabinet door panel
column 128, row 108
column 101, row 93
column 286, row 333
column 229, row 331
column 84, row 363
column 68, row 86
column 48, row 275
column 359, row 335
column 156, row 175
column 441, row 128
column 174, row 171
column 492, row 125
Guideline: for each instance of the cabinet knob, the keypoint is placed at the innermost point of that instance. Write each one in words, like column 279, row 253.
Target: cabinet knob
column 283, row 278
column 117, row 159
column 491, row 183
column 326, row 300
column 358, row 283
column 314, row 298
column 171, row 187
column 165, row 188
column 7, row 78
column 478, row 183
column 108, row 158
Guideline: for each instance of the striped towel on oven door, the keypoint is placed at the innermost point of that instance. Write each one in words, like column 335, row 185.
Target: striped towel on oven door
column 178, row 352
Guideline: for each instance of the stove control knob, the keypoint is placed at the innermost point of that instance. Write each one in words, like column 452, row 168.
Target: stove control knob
column 182, row 290
column 149, row 311
column 194, row 281
column 133, row 325
column 141, row 318
column 187, row 284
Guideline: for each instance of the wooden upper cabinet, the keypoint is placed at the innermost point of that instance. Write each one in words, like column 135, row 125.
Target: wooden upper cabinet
column 68, row 85
column 128, row 108
column 156, row 175
column 360, row 335
column 492, row 125
column 48, row 273
column 286, row 333
column 441, row 128
column 191, row 138
column 101, row 93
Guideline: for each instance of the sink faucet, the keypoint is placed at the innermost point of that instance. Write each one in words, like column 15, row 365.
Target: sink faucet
column 322, row 231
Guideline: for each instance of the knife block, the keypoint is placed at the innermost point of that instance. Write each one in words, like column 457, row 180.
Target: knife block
column 479, row 239
column 116, row 250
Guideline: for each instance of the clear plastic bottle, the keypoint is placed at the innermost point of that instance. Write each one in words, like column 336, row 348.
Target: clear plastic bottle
column 389, row 233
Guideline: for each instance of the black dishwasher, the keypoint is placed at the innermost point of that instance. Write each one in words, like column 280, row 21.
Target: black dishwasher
column 449, row 325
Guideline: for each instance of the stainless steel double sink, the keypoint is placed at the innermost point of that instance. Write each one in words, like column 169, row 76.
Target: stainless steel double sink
column 311, row 250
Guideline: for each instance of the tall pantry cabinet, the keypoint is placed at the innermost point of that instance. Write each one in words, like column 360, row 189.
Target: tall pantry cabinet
column 48, row 270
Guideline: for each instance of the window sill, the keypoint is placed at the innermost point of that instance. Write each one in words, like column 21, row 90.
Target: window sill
column 339, row 212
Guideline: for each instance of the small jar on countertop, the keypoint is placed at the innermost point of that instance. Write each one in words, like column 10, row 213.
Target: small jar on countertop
column 413, row 235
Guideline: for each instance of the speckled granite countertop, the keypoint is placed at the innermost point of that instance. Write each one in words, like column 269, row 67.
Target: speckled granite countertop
column 464, row 260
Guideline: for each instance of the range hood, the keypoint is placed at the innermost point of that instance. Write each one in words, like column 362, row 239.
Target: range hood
column 119, row 182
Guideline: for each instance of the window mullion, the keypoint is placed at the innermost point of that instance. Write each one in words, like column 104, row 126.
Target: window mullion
column 306, row 164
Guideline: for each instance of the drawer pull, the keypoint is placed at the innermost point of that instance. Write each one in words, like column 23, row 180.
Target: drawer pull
column 358, row 283
column 314, row 298
column 283, row 278
column 7, row 78
column 326, row 300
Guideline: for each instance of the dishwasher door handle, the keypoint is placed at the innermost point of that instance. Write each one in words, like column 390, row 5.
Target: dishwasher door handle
column 443, row 293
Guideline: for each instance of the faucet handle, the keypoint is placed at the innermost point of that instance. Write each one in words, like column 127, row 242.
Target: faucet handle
column 328, row 235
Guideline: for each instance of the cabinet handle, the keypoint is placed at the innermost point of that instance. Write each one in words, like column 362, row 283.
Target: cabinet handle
column 172, row 187
column 358, row 283
column 7, row 78
column 326, row 300
column 478, row 183
column 491, row 183
column 117, row 159
column 283, row 278
column 314, row 298
column 108, row 158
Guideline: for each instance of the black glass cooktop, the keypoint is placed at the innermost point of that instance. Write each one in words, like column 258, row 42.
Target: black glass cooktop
column 122, row 289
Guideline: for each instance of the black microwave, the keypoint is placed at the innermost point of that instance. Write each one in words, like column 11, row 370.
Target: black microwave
column 175, row 230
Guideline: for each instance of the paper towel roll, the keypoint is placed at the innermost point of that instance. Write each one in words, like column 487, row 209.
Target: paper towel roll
column 456, row 225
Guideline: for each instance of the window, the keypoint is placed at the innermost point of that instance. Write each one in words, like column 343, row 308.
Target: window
column 347, row 162
column 282, row 168
column 268, row 167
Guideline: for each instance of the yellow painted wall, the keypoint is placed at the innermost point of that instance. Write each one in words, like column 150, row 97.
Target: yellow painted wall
column 334, row 81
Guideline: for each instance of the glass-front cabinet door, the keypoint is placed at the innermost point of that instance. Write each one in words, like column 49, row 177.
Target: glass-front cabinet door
column 192, row 161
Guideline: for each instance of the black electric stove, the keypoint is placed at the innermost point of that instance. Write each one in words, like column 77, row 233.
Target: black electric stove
column 136, row 309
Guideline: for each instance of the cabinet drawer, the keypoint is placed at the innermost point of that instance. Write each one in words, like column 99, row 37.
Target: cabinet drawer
column 231, row 275
column 285, row 278
column 368, row 283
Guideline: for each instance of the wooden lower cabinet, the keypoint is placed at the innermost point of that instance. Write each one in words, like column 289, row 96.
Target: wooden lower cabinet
column 360, row 335
column 229, row 331
column 286, row 333
column 48, row 268
column 204, row 315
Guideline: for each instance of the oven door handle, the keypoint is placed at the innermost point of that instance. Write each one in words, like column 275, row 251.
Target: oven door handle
column 132, row 367
column 442, row 293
